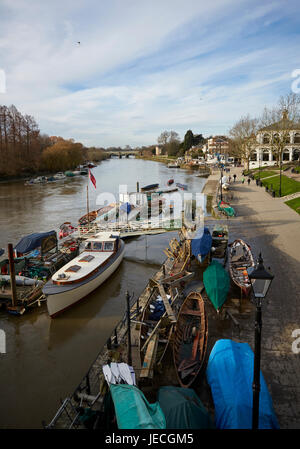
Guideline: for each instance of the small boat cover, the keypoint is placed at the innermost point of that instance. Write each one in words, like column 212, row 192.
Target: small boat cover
column 125, row 207
column 133, row 411
column 216, row 282
column 32, row 241
column 201, row 244
column 230, row 212
column 230, row 375
column 183, row 409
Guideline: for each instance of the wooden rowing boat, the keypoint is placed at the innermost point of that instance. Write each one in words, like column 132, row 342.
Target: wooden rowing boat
column 240, row 260
column 190, row 339
column 155, row 332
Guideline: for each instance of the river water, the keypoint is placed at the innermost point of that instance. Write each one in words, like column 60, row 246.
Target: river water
column 45, row 359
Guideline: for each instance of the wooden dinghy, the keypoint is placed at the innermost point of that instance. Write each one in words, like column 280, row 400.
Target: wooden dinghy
column 88, row 218
column 155, row 331
column 240, row 259
column 190, row 339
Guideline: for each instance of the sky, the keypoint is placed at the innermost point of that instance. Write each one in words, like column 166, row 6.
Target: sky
column 143, row 67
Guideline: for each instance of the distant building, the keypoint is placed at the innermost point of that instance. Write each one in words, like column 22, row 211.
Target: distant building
column 218, row 144
column 158, row 151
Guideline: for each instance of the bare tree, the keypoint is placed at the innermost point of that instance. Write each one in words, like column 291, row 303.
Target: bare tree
column 243, row 134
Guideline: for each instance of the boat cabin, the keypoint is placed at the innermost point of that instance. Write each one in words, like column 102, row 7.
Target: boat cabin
column 97, row 251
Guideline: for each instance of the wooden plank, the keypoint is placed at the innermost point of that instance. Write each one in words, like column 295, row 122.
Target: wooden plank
column 150, row 356
column 168, row 308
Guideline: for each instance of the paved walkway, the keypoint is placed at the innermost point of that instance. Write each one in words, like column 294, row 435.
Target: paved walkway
column 271, row 227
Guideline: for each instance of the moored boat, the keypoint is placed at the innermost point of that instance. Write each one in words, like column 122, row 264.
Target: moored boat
column 230, row 376
column 59, row 175
column 181, row 186
column 100, row 258
column 201, row 244
column 190, row 339
column 240, row 260
column 216, row 282
column 149, row 187
column 88, row 218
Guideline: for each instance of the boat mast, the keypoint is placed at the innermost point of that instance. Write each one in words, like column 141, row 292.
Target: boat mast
column 87, row 200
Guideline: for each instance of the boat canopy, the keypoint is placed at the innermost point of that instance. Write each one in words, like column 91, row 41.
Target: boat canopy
column 202, row 242
column 132, row 409
column 230, row 375
column 33, row 241
column 183, row 409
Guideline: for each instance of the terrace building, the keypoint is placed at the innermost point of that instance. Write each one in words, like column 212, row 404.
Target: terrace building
column 263, row 151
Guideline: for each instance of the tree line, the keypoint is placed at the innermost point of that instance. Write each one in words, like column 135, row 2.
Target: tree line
column 25, row 150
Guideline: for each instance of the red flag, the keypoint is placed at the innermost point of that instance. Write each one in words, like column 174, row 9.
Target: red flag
column 92, row 178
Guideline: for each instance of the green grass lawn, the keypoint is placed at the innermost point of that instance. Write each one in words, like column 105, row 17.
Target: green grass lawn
column 294, row 204
column 265, row 174
column 288, row 185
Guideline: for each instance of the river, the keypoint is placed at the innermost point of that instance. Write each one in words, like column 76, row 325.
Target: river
column 45, row 359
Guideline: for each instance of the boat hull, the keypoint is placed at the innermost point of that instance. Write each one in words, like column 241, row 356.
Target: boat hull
column 66, row 297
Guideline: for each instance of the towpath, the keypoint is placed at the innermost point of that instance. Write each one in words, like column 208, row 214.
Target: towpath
column 271, row 227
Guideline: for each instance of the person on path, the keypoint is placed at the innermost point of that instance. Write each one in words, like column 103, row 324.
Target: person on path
column 234, row 176
column 249, row 180
column 243, row 180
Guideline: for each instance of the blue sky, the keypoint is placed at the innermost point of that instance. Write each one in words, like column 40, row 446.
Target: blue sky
column 144, row 67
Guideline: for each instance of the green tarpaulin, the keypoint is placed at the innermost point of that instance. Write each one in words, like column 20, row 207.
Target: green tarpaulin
column 216, row 282
column 183, row 409
column 133, row 411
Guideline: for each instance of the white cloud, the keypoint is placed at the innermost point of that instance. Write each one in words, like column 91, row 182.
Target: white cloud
column 141, row 67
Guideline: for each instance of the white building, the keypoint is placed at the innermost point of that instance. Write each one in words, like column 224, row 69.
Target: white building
column 262, row 153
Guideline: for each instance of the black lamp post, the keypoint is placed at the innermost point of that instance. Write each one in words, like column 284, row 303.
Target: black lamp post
column 261, row 281
column 221, row 171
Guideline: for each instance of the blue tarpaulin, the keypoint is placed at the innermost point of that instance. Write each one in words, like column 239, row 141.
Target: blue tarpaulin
column 201, row 243
column 125, row 207
column 32, row 241
column 133, row 411
column 230, row 376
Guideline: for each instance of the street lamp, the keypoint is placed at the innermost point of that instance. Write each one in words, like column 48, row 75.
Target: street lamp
column 221, row 170
column 260, row 280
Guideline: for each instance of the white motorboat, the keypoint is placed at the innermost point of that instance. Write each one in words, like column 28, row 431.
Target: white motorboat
column 59, row 175
column 101, row 256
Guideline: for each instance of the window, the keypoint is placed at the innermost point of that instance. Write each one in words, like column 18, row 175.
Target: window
column 253, row 156
column 108, row 246
column 97, row 246
column 265, row 156
column 266, row 138
column 87, row 258
column 297, row 138
column 88, row 245
column 286, row 156
column 73, row 268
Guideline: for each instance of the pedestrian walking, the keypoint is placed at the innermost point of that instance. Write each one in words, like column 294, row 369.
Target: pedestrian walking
column 229, row 179
column 243, row 180
column 249, row 180
column 234, row 176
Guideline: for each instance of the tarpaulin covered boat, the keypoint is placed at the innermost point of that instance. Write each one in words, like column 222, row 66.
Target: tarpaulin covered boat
column 133, row 411
column 230, row 375
column 201, row 244
column 226, row 209
column 183, row 409
column 216, row 282
column 35, row 240
column 240, row 260
column 190, row 339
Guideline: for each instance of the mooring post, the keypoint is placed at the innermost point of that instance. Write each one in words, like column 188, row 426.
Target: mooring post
column 129, row 357
column 137, row 186
column 12, row 273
